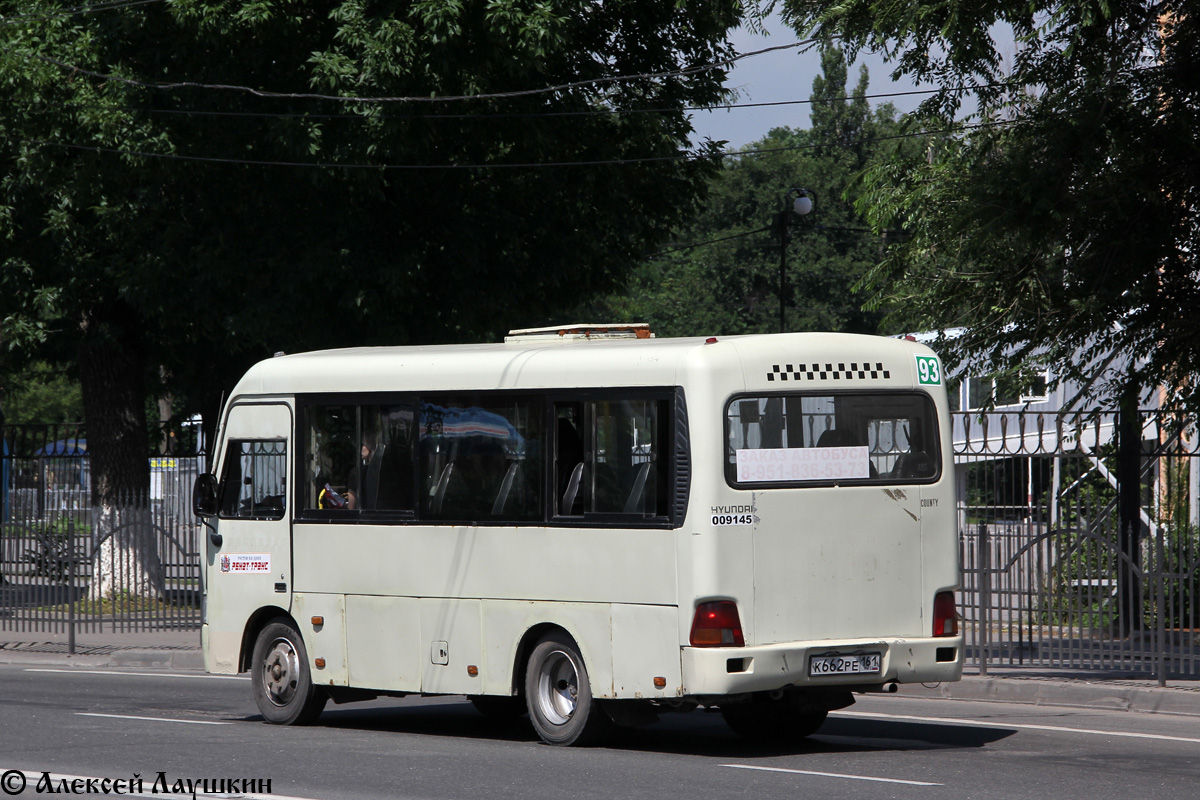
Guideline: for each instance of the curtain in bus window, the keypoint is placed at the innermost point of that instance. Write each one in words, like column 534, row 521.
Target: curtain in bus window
column 255, row 481
column 387, row 474
column 843, row 437
column 480, row 458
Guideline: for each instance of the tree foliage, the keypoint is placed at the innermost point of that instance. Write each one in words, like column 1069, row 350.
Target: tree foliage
column 721, row 273
column 1064, row 230
column 41, row 393
column 189, row 186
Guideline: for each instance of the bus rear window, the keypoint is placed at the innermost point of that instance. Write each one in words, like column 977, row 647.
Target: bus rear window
column 839, row 438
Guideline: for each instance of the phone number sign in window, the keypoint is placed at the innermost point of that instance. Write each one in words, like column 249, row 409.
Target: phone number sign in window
column 787, row 464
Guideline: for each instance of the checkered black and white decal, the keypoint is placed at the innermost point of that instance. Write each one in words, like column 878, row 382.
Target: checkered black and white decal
column 864, row 371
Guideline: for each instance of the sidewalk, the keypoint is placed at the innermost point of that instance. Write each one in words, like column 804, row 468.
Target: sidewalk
column 1121, row 691
column 1109, row 690
column 160, row 649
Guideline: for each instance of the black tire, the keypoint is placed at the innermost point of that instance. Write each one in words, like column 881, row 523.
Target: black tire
column 558, row 695
column 772, row 720
column 279, row 672
column 498, row 708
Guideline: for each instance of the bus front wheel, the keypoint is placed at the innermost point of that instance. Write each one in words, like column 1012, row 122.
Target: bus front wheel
column 283, row 687
column 559, row 695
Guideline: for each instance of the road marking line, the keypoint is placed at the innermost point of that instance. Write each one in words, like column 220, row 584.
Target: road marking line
column 56, row 777
column 832, row 775
column 1017, row 726
column 138, row 674
column 152, row 719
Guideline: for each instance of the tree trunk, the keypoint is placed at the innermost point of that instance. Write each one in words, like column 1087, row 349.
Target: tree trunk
column 111, row 374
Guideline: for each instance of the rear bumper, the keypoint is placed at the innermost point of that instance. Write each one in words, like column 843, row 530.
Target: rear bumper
column 736, row 670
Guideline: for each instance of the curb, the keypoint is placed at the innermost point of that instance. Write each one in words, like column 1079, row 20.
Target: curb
column 156, row 659
column 1067, row 693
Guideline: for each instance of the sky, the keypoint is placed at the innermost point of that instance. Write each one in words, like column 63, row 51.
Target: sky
column 784, row 75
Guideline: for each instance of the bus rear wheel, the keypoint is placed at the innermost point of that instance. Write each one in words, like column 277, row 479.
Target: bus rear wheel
column 283, row 687
column 558, row 694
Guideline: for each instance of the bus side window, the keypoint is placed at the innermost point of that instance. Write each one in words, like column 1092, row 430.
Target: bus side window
column 330, row 456
column 255, row 481
column 611, row 457
column 480, row 458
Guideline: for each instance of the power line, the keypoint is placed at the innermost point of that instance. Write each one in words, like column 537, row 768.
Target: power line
column 505, row 114
column 764, row 229
column 677, row 248
column 75, row 11
column 519, row 165
column 165, row 85
column 384, row 167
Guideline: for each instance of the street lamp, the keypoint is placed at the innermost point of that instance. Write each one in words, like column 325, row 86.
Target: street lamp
column 796, row 202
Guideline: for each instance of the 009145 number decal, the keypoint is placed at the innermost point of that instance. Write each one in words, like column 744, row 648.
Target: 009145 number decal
column 723, row 516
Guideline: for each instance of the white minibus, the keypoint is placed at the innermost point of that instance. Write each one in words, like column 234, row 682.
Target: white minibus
column 589, row 525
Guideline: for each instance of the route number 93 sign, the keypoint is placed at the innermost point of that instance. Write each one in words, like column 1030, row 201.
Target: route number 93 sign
column 929, row 371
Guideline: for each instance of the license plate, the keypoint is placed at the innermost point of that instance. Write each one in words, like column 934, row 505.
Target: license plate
column 857, row 664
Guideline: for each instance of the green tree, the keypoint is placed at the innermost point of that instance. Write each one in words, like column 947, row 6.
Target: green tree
column 40, row 393
column 189, row 186
column 731, row 284
column 1064, row 230
column 156, row 224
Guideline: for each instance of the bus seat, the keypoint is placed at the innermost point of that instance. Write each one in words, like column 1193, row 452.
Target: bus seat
column 439, row 490
column 914, row 464
column 571, row 494
column 837, row 437
column 637, row 495
column 395, row 480
column 512, row 476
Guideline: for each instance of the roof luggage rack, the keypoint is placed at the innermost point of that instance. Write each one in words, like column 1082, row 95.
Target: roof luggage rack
column 577, row 332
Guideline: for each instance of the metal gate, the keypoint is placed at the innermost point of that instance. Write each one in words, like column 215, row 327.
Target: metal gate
column 1073, row 558
column 68, row 567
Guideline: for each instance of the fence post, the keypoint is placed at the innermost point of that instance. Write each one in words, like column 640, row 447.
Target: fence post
column 985, row 597
column 70, row 585
column 1129, row 522
column 1160, row 604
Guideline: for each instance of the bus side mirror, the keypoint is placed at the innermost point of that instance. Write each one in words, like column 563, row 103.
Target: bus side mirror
column 204, row 495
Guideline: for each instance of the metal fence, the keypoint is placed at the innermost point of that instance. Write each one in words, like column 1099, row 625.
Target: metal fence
column 67, row 567
column 1070, row 559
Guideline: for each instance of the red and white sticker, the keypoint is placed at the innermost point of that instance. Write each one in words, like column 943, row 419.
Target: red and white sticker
column 246, row 563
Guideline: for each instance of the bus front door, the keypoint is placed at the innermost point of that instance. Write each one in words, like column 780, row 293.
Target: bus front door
column 248, row 566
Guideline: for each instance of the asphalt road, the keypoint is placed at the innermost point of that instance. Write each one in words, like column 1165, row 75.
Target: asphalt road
column 108, row 723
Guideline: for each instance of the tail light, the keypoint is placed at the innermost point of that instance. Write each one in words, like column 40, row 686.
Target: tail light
column 716, row 624
column 945, row 615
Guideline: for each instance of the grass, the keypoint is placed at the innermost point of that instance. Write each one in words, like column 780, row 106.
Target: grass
column 122, row 603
